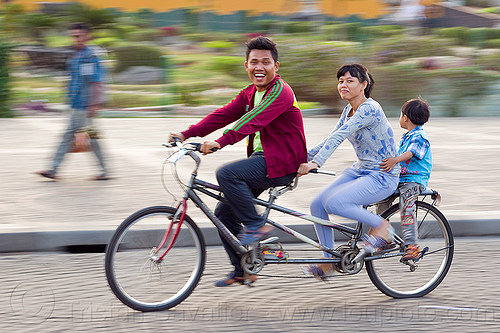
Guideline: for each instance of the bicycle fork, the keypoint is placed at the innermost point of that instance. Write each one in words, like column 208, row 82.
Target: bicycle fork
column 171, row 233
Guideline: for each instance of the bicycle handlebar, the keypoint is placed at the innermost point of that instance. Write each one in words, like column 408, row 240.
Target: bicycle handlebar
column 178, row 143
column 198, row 145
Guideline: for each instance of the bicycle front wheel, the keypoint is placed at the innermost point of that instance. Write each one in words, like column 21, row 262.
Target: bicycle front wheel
column 397, row 279
column 137, row 270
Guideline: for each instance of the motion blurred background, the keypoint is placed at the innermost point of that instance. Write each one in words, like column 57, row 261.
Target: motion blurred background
column 185, row 57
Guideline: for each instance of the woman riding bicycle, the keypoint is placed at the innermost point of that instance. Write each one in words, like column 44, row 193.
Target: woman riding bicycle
column 365, row 125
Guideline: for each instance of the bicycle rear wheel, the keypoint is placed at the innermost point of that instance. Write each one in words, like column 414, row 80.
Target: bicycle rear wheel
column 134, row 270
column 395, row 278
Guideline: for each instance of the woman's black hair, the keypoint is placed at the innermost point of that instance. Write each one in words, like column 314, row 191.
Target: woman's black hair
column 361, row 73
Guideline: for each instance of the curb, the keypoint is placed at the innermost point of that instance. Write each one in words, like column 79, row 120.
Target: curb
column 95, row 241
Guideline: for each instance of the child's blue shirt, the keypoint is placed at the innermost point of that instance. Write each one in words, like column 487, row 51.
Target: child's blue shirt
column 418, row 168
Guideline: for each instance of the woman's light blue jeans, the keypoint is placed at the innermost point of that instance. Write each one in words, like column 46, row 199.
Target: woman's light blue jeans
column 347, row 195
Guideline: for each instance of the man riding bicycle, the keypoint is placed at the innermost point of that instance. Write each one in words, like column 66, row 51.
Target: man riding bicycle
column 267, row 113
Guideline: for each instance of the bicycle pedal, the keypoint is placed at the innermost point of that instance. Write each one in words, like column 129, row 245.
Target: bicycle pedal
column 273, row 251
column 422, row 254
column 274, row 254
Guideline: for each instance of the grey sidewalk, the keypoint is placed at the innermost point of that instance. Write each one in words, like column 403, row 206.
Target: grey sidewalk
column 38, row 214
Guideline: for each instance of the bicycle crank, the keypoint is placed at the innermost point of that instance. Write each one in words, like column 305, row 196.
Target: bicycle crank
column 350, row 262
column 253, row 261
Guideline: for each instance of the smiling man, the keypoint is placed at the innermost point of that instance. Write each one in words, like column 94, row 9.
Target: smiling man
column 267, row 113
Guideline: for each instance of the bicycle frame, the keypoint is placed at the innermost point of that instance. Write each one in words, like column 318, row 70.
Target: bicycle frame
column 163, row 236
column 202, row 186
column 214, row 191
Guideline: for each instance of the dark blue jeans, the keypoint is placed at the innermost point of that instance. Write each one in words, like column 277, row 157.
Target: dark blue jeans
column 241, row 182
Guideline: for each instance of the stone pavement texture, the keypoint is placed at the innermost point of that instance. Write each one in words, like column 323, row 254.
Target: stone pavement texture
column 60, row 292
column 42, row 215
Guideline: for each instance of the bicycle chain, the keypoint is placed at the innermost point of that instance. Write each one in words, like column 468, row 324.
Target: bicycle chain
column 304, row 276
column 296, row 277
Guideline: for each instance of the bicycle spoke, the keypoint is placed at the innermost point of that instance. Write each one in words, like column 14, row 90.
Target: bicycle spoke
column 400, row 279
column 143, row 277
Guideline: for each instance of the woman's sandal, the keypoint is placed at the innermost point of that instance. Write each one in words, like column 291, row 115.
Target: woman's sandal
column 316, row 271
column 378, row 243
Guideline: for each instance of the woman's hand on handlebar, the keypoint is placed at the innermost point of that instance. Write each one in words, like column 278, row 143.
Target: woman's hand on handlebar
column 177, row 135
column 305, row 168
column 208, row 147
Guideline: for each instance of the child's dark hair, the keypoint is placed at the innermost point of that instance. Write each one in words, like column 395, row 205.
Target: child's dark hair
column 262, row 43
column 80, row 26
column 417, row 110
column 359, row 71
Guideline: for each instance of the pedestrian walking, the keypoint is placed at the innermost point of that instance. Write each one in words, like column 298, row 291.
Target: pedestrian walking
column 84, row 96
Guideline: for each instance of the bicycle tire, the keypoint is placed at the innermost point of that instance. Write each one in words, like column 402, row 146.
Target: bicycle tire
column 136, row 279
column 394, row 278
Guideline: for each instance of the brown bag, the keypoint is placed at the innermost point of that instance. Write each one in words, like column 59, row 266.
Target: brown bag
column 81, row 143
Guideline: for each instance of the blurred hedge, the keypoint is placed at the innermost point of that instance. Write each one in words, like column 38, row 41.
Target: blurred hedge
column 136, row 55
column 232, row 65
column 396, row 83
column 470, row 36
column 310, row 69
column 5, row 87
column 399, row 48
column 493, row 43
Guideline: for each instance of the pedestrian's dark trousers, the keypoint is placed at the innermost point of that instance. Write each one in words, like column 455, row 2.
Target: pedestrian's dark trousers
column 241, row 182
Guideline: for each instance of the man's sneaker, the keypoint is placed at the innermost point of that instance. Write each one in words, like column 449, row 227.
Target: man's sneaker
column 412, row 252
column 252, row 236
column 47, row 174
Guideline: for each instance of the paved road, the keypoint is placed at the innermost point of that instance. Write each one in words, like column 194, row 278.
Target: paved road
column 55, row 292
column 36, row 214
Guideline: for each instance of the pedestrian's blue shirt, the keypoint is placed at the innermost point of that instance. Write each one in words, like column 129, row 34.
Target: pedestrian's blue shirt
column 84, row 68
column 418, row 168
column 369, row 132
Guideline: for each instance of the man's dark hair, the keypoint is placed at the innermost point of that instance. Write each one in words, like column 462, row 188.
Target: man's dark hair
column 417, row 110
column 361, row 73
column 262, row 43
column 80, row 26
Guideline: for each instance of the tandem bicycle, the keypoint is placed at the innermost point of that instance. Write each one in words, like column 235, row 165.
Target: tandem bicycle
column 157, row 256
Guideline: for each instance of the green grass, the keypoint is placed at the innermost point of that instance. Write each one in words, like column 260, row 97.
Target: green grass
column 57, row 40
column 134, row 100
column 22, row 96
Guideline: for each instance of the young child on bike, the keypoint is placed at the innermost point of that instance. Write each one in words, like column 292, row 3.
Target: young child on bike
column 415, row 159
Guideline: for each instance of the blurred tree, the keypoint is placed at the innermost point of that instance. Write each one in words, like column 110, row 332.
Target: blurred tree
column 5, row 88
column 11, row 21
column 310, row 69
column 35, row 24
column 144, row 18
column 97, row 18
